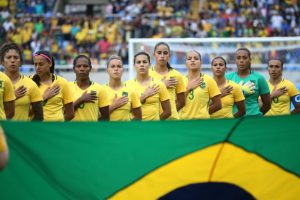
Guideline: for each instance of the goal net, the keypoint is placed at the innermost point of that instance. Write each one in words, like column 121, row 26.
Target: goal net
column 285, row 48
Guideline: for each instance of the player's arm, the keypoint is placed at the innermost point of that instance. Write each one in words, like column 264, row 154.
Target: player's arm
column 9, row 108
column 241, row 109
column 137, row 113
column 37, row 109
column 69, row 111
column 215, row 105
column 266, row 103
column 104, row 111
column 166, row 107
column 180, row 100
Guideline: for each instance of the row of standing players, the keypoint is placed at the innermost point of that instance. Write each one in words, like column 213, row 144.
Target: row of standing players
column 157, row 93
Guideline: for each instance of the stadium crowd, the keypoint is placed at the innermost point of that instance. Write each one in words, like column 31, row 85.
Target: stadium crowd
column 32, row 25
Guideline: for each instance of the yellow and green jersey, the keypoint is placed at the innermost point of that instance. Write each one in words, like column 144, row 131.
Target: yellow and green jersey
column 197, row 101
column 228, row 101
column 152, row 105
column 180, row 88
column 54, row 107
column 32, row 95
column 282, row 105
column 7, row 93
column 89, row 111
column 124, row 112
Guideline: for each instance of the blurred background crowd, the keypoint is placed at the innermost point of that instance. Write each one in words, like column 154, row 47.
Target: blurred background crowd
column 101, row 30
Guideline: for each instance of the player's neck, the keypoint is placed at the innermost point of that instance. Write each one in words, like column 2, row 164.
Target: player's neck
column 221, row 81
column 115, row 83
column 13, row 76
column 275, row 81
column 243, row 73
column 46, row 78
column 83, row 83
column 193, row 74
column 161, row 69
column 143, row 79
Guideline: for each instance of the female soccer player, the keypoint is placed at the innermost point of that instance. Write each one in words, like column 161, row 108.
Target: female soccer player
column 56, row 91
column 90, row 98
column 28, row 95
column 231, row 93
column 171, row 77
column 153, row 94
column 203, row 97
column 283, row 92
column 253, row 84
column 123, row 100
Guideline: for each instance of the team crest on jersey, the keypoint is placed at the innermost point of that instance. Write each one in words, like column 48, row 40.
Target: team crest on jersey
column 124, row 94
column 202, row 85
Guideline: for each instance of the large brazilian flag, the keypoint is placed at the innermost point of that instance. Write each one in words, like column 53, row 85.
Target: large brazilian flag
column 248, row 158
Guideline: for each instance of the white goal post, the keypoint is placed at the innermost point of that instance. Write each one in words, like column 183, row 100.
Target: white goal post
column 285, row 48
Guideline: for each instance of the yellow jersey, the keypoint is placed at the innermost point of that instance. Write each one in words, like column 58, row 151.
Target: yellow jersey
column 54, row 107
column 89, row 111
column 197, row 101
column 124, row 112
column 22, row 104
column 151, row 107
column 180, row 88
column 228, row 101
column 282, row 105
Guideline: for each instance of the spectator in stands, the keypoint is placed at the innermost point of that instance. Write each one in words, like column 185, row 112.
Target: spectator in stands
column 104, row 46
column 171, row 77
column 57, row 96
column 201, row 89
column 123, row 100
column 283, row 91
column 28, row 95
column 179, row 19
column 153, row 94
column 90, row 98
column 253, row 84
column 231, row 92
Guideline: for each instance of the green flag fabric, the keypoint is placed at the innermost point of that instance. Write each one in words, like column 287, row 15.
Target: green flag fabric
column 151, row 160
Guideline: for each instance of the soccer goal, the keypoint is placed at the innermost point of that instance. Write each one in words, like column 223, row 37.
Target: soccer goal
column 285, row 48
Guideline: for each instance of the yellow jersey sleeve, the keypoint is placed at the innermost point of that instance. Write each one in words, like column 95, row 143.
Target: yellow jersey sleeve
column 181, row 87
column 292, row 90
column 34, row 92
column 66, row 91
column 103, row 99
column 213, row 89
column 9, row 92
column 163, row 92
column 135, row 100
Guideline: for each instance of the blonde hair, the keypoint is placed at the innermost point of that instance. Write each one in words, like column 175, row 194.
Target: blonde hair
column 113, row 57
